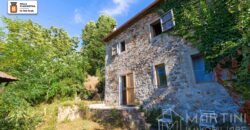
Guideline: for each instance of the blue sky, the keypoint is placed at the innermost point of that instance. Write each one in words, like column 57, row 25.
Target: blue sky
column 72, row 15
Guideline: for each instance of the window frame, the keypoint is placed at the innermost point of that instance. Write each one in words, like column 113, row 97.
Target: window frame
column 119, row 47
column 152, row 30
column 157, row 77
column 196, row 56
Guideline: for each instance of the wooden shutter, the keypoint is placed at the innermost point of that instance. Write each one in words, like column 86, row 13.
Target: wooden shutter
column 167, row 17
column 114, row 50
column 201, row 75
column 130, row 89
column 167, row 20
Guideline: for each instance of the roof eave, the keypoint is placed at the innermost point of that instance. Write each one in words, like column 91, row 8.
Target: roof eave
column 132, row 21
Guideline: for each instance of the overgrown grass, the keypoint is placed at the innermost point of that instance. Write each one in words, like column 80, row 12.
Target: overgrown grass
column 50, row 112
column 79, row 125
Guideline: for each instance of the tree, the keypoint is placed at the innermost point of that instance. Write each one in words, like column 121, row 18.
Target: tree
column 94, row 48
column 89, row 33
column 47, row 65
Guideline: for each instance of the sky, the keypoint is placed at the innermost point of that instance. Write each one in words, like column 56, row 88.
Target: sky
column 72, row 15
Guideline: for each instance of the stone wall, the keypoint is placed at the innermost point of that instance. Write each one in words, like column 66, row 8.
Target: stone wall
column 144, row 52
column 68, row 113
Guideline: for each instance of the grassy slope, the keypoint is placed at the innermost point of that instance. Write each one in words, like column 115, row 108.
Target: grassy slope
column 49, row 112
column 79, row 125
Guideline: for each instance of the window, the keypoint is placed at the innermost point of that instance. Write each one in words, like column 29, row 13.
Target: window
column 161, row 75
column 122, row 46
column 167, row 20
column 118, row 48
column 156, row 28
column 201, row 75
column 114, row 50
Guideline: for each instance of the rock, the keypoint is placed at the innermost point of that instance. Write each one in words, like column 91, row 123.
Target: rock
column 68, row 113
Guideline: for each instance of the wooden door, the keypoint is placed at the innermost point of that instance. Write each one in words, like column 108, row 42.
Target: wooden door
column 130, row 94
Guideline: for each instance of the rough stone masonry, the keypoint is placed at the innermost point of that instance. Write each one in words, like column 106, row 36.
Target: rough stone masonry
column 142, row 53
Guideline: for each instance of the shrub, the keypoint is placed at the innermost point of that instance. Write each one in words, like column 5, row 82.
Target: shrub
column 16, row 113
column 152, row 115
column 85, row 95
column 109, row 118
column 84, row 110
column 115, row 118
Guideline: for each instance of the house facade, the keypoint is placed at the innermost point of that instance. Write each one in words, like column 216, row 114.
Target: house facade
column 147, row 66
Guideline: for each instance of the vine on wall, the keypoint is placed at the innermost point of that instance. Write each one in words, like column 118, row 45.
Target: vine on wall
column 220, row 29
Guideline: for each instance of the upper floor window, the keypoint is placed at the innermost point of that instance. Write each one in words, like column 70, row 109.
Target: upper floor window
column 165, row 23
column 161, row 75
column 201, row 74
column 118, row 48
column 156, row 28
column 122, row 47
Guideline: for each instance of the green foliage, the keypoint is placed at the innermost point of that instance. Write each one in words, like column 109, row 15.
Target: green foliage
column 94, row 48
column 100, row 86
column 44, row 60
column 110, row 118
column 47, row 65
column 115, row 116
column 82, row 107
column 152, row 116
column 16, row 113
column 86, row 95
column 217, row 28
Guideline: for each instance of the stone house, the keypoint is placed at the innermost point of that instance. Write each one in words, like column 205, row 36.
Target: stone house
column 145, row 66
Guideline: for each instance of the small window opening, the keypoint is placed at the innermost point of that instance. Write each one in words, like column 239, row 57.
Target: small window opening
column 122, row 46
column 156, row 28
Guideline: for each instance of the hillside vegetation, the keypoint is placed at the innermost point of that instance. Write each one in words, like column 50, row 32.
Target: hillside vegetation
column 48, row 67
